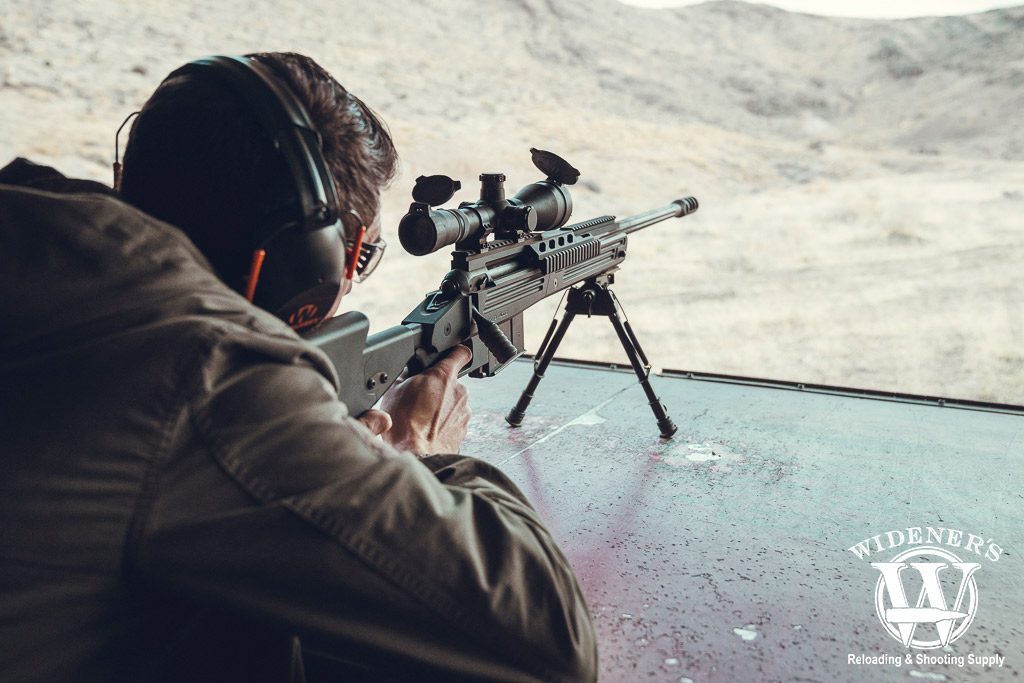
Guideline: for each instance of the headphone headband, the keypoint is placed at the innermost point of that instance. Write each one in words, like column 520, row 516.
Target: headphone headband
column 286, row 122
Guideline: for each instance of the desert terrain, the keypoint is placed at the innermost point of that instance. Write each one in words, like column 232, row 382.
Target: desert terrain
column 861, row 181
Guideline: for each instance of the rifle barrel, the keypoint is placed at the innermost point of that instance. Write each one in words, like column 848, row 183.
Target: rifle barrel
column 680, row 207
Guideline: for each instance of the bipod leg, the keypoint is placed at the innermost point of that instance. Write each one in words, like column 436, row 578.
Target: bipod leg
column 540, row 366
column 637, row 358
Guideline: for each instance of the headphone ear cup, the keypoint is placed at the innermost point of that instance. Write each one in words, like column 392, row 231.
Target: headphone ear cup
column 302, row 275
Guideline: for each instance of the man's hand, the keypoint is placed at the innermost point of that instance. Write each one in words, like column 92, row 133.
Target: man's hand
column 430, row 411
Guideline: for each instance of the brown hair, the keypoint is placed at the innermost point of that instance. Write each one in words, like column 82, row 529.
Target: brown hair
column 198, row 159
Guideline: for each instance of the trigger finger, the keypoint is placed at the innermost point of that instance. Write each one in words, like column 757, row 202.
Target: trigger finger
column 456, row 359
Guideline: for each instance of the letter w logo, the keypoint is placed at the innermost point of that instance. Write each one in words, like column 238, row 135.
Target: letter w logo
column 907, row 618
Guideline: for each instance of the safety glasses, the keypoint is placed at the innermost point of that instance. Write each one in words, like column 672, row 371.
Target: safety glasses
column 361, row 258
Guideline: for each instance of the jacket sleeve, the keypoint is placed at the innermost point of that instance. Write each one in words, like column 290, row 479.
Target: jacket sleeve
column 275, row 505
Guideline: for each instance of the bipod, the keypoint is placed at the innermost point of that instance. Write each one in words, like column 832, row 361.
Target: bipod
column 593, row 297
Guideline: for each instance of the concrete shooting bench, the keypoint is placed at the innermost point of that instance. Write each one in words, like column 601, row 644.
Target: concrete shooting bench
column 729, row 552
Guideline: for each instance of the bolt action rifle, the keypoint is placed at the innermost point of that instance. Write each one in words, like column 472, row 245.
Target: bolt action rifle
column 509, row 254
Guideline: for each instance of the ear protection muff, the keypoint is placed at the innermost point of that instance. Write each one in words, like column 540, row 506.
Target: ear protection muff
column 298, row 264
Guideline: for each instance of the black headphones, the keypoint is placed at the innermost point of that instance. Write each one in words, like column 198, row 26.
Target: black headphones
column 298, row 266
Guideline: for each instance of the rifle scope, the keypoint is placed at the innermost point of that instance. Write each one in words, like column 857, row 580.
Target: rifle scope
column 543, row 205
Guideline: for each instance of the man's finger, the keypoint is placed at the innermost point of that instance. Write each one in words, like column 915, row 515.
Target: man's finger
column 456, row 358
column 377, row 421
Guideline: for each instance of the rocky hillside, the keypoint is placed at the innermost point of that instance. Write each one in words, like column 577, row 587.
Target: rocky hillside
column 947, row 85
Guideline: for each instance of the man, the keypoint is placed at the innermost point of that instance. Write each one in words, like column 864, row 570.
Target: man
column 182, row 497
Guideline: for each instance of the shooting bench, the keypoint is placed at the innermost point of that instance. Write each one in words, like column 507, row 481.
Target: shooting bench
column 723, row 553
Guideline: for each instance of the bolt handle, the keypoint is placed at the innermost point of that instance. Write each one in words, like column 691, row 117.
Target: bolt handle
column 494, row 339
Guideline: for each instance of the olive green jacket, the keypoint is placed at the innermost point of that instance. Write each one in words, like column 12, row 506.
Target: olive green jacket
column 181, row 492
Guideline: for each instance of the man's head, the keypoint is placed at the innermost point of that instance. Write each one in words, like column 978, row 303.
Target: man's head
column 199, row 157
